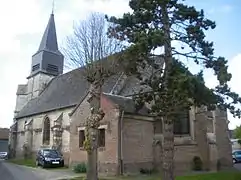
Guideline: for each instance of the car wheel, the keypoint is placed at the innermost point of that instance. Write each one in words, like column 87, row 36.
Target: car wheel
column 234, row 161
column 43, row 165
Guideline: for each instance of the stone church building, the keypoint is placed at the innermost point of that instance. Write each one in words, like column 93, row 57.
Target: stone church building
column 52, row 107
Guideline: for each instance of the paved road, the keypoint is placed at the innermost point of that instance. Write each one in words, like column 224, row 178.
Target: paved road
column 10, row 171
column 13, row 172
column 238, row 166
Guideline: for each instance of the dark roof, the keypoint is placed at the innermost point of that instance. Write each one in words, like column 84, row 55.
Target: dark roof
column 126, row 104
column 63, row 91
column 4, row 133
column 132, row 86
column 68, row 89
column 49, row 39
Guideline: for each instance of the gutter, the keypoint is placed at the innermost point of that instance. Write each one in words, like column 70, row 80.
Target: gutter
column 120, row 143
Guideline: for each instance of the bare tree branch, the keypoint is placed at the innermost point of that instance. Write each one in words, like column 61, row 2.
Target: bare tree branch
column 90, row 42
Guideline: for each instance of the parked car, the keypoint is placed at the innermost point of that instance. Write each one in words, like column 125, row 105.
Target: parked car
column 236, row 156
column 4, row 155
column 49, row 158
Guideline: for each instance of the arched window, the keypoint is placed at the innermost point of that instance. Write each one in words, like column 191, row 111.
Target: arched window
column 46, row 131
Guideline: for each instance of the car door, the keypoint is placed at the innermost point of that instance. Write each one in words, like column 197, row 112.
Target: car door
column 238, row 155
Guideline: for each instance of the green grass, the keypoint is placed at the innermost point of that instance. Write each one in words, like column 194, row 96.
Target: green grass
column 209, row 176
column 25, row 162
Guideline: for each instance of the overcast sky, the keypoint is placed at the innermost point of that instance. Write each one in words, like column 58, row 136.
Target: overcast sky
column 23, row 23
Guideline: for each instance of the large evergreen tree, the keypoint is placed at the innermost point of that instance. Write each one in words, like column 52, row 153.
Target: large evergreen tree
column 158, row 23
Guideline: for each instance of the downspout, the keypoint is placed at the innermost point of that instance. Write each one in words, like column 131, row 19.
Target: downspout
column 120, row 143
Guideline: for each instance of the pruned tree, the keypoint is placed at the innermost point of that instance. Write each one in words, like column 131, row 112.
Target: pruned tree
column 91, row 49
column 158, row 23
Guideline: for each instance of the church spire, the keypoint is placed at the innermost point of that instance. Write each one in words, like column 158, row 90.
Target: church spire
column 48, row 59
column 49, row 39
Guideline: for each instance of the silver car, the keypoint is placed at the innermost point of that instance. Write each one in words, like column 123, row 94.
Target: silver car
column 4, row 155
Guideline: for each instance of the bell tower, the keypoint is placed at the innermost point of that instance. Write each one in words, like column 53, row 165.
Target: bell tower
column 47, row 62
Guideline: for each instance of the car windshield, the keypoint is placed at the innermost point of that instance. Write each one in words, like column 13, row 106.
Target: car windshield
column 238, row 152
column 51, row 152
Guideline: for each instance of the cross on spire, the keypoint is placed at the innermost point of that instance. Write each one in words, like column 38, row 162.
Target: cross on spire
column 53, row 7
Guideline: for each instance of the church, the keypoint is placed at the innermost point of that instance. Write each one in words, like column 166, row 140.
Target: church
column 51, row 109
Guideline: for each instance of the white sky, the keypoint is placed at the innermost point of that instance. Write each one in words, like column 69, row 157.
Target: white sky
column 22, row 25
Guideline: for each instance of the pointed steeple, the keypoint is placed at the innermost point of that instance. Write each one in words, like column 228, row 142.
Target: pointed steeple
column 48, row 59
column 49, row 39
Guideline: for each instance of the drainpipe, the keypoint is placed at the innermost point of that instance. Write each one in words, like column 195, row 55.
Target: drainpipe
column 120, row 143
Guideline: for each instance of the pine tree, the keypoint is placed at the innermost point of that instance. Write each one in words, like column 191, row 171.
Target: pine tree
column 158, row 23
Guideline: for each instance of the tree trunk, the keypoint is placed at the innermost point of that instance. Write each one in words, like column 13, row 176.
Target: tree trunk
column 168, row 143
column 92, row 168
column 95, row 118
column 168, row 150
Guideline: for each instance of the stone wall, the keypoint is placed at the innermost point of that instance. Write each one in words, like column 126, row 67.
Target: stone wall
column 21, row 101
column 37, row 131
column 201, row 127
column 36, row 84
column 224, row 148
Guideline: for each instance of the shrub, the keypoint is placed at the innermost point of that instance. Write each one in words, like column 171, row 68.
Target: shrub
column 197, row 163
column 239, row 141
column 80, row 168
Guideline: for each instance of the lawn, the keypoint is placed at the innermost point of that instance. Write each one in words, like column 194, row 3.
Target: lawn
column 209, row 176
column 25, row 162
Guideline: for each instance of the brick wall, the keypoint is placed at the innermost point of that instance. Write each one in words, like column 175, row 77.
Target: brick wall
column 183, row 157
column 137, row 144
column 107, row 156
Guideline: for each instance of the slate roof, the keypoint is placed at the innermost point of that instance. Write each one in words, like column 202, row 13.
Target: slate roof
column 63, row 91
column 127, row 104
column 132, row 86
column 68, row 89
column 49, row 39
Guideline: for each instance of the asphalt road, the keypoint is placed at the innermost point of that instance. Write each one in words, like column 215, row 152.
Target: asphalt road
column 238, row 166
column 13, row 172
column 9, row 171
